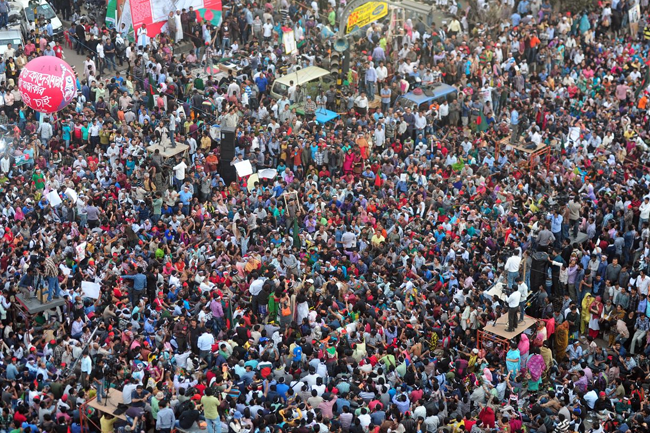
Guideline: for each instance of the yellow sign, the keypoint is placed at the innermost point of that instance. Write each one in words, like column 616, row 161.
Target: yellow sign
column 364, row 15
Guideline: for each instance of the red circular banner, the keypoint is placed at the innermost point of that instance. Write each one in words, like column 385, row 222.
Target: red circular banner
column 47, row 84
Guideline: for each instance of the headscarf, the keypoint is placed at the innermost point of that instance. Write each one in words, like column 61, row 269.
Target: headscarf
column 487, row 375
column 524, row 344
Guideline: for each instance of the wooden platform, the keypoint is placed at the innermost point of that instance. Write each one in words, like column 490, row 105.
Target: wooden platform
column 499, row 328
column 34, row 306
column 507, row 146
column 168, row 152
column 110, row 405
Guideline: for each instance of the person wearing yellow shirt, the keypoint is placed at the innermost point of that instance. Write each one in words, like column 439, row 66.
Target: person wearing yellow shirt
column 210, row 405
column 454, row 27
column 106, row 423
column 206, row 141
column 377, row 239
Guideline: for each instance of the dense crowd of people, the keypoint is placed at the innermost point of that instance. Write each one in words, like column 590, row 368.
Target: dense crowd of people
column 343, row 292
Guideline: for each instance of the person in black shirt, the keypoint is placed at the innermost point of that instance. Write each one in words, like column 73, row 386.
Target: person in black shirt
column 61, row 426
column 97, row 377
column 80, row 32
column 188, row 417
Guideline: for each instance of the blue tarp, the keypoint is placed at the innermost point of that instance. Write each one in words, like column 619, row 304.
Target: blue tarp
column 323, row 116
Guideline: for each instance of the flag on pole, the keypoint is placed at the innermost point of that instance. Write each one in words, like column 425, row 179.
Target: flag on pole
column 297, row 243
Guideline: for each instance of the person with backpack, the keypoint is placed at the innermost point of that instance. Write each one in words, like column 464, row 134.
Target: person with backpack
column 211, row 414
column 188, row 415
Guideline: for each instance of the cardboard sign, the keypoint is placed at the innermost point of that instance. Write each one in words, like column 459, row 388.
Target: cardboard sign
column 90, row 290
column 244, row 168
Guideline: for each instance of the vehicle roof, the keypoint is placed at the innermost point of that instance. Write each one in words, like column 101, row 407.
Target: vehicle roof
column 434, row 93
column 10, row 33
column 303, row 75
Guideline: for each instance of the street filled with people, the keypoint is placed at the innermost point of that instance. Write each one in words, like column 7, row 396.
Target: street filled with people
column 347, row 281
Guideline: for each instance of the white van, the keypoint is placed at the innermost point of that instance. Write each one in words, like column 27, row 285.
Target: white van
column 7, row 37
column 42, row 10
column 310, row 79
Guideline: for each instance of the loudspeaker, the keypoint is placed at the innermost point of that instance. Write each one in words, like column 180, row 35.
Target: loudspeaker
column 226, row 155
column 341, row 44
column 227, row 150
column 538, row 270
column 227, row 172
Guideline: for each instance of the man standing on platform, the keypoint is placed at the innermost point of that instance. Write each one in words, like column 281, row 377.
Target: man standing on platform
column 522, row 288
column 513, row 307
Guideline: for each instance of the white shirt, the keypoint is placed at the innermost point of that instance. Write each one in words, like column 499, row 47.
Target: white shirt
column 95, row 129
column 268, row 30
column 382, row 73
column 127, row 391
column 644, row 209
column 86, row 365
column 420, row 121
column 513, row 299
column 179, row 170
column 361, row 102
column 205, row 341
column 523, row 290
column 642, row 284
column 512, row 264
column 100, row 51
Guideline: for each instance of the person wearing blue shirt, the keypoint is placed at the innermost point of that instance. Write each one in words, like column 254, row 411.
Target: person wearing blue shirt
column 402, row 402
column 514, row 123
column 574, row 351
column 185, row 197
column 139, row 284
column 11, row 371
column 262, row 82
column 282, row 388
column 278, row 189
column 150, row 326
column 371, row 81
column 556, row 227
column 341, row 402
column 522, row 8
column 33, row 428
column 515, row 19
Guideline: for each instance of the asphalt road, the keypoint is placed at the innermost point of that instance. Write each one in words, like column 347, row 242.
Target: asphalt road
column 76, row 60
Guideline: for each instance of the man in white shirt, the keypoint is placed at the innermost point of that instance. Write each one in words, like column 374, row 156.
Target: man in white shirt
column 361, row 102
column 267, row 30
column 179, row 173
column 512, row 268
column 642, row 283
column 644, row 212
column 522, row 288
column 86, row 369
column 204, row 343
column 420, row 123
column 94, row 130
column 127, row 391
column 513, row 301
